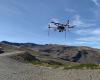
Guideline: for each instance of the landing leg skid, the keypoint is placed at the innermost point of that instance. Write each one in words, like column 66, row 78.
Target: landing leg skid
column 65, row 34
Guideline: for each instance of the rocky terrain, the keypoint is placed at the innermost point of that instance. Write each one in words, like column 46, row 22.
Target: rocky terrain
column 17, row 59
column 59, row 53
column 11, row 69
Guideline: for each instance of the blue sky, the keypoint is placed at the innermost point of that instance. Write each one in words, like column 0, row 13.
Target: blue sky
column 27, row 21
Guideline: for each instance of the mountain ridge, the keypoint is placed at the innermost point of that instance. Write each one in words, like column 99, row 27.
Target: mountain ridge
column 77, row 54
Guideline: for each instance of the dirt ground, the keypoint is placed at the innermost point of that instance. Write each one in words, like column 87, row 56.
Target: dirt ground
column 13, row 70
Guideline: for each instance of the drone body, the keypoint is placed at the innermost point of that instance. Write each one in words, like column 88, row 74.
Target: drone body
column 60, row 27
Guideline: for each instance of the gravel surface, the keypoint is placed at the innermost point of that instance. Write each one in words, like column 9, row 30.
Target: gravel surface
column 13, row 70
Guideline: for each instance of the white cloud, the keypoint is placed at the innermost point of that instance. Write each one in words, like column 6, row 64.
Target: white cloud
column 96, row 32
column 80, row 23
column 70, row 10
column 96, row 2
column 82, row 32
column 88, row 39
column 89, row 31
column 77, row 21
column 96, row 10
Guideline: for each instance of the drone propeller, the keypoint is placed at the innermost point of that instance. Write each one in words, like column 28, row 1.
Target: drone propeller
column 56, row 23
column 53, row 22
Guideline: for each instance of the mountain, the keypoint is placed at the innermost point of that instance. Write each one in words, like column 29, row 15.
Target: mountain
column 57, row 53
column 17, row 44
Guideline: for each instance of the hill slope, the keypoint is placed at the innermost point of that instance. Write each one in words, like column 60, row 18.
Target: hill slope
column 57, row 53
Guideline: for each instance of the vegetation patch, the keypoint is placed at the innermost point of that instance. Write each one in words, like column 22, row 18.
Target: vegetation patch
column 82, row 66
column 41, row 60
column 48, row 63
column 66, row 66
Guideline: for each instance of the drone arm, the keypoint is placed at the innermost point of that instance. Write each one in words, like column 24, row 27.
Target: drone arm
column 71, row 26
column 51, row 27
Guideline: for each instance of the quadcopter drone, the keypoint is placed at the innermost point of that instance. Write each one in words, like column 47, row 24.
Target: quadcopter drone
column 60, row 27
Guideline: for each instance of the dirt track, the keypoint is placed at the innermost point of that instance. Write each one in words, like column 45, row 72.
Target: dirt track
column 13, row 70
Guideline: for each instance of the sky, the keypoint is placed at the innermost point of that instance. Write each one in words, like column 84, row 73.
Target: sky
column 27, row 21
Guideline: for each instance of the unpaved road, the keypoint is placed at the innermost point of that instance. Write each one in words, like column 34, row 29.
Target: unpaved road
column 11, row 53
column 13, row 70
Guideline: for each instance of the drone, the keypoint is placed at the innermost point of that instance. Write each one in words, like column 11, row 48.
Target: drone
column 60, row 27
